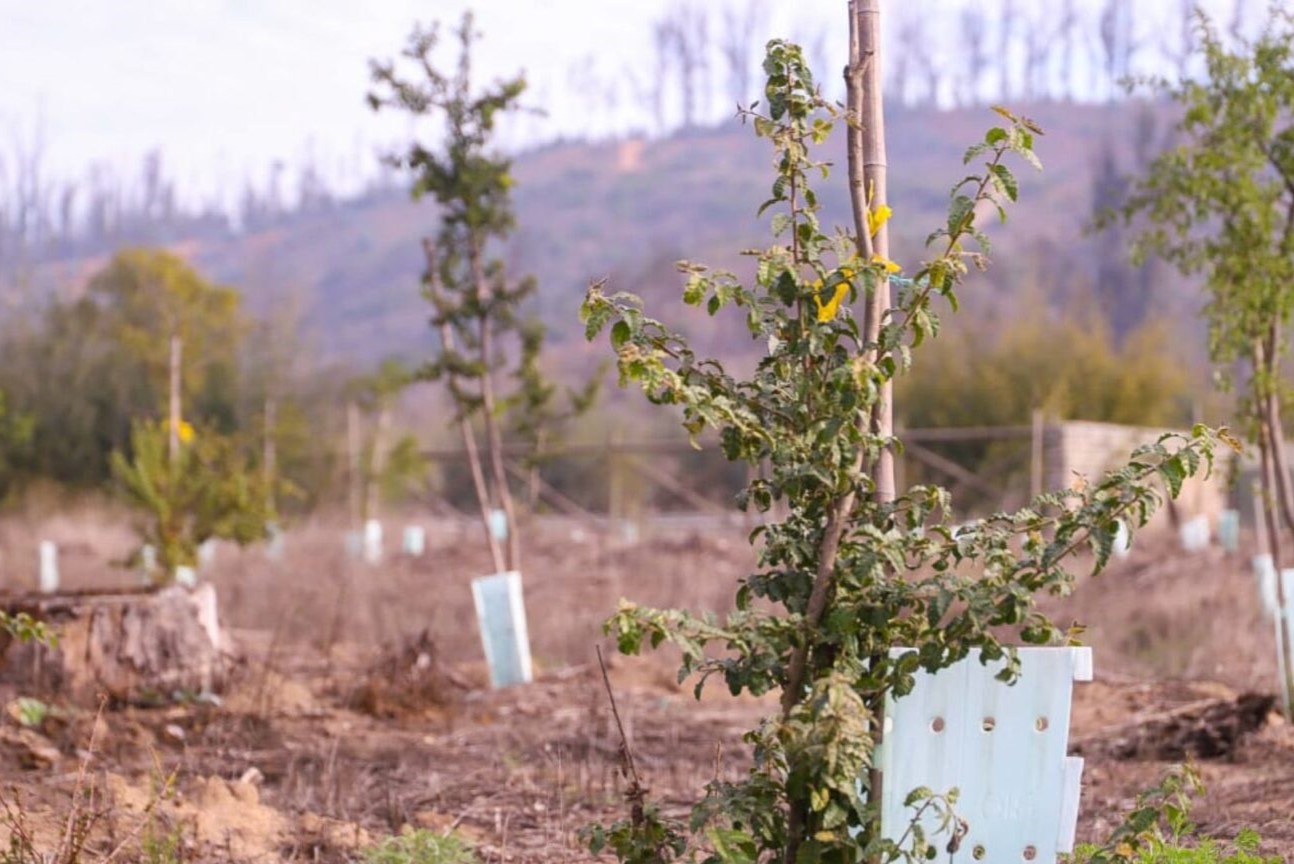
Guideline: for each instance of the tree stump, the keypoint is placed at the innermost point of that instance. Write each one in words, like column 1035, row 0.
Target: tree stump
column 128, row 646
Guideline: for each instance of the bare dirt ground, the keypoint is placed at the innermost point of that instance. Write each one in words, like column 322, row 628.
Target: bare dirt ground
column 359, row 703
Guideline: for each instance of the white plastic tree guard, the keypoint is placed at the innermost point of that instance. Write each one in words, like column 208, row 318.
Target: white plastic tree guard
column 498, row 524
column 147, row 563
column 274, row 546
column 501, row 613
column 1194, row 534
column 372, row 541
column 1229, row 530
column 48, row 567
column 354, row 542
column 207, row 553
column 1003, row 747
column 415, row 541
column 1265, row 575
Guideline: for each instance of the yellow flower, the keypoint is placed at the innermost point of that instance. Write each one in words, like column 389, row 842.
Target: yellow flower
column 827, row 311
column 890, row 266
column 876, row 219
column 185, row 433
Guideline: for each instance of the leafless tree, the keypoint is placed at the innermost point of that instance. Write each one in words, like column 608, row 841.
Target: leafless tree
column 1117, row 30
column 932, row 71
column 66, row 227
column 1177, row 37
column 1239, row 16
column 27, row 198
column 815, row 42
column 582, row 80
column 1068, row 28
column 313, row 195
column 974, row 36
column 1037, row 51
column 912, row 54
column 739, row 45
column 1005, row 36
column 662, row 44
column 685, row 32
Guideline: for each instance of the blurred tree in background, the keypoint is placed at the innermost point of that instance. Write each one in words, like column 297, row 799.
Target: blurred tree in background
column 1069, row 368
column 85, row 369
column 207, row 489
column 77, row 375
column 1066, row 368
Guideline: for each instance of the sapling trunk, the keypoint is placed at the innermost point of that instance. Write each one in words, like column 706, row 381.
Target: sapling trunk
column 493, row 438
column 376, row 460
column 867, row 190
column 471, row 182
column 1271, row 406
column 269, row 453
column 482, row 494
column 1275, row 496
column 174, row 414
column 474, row 467
column 794, row 689
column 354, row 481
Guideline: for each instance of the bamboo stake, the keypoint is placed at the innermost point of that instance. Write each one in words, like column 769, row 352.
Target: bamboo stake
column 868, row 189
column 868, row 193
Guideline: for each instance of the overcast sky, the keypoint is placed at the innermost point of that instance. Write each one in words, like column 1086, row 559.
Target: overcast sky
column 225, row 87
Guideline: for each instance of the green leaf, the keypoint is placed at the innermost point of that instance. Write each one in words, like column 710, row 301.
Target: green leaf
column 917, row 795
column 1101, row 541
column 787, row 288
column 960, row 214
column 694, row 290
column 1006, row 181
column 1174, row 472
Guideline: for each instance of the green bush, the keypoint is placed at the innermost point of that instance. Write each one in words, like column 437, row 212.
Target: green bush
column 1159, row 830
column 421, row 847
column 206, row 490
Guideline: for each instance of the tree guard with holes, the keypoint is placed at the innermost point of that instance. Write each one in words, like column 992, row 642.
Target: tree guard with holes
column 1003, row 747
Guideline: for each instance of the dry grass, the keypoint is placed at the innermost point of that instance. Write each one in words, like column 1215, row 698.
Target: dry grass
column 342, row 761
column 315, row 595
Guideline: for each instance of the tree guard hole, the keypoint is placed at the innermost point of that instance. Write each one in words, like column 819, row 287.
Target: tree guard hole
column 1041, row 724
column 1030, row 853
column 937, row 725
column 978, row 853
column 989, row 724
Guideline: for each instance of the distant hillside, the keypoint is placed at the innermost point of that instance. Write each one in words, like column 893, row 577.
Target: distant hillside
column 627, row 210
